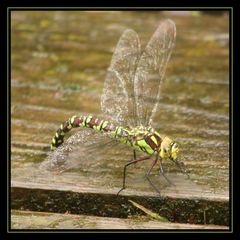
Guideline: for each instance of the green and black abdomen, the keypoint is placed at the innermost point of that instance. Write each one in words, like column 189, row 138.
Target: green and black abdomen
column 81, row 121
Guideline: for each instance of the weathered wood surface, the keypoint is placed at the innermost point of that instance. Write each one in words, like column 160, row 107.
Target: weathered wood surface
column 92, row 194
column 182, row 189
column 41, row 220
column 193, row 108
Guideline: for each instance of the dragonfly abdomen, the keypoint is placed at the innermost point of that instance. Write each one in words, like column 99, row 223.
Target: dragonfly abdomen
column 142, row 139
column 82, row 121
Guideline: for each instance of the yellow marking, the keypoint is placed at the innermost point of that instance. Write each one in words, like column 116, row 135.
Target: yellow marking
column 97, row 127
column 54, row 141
column 57, row 136
column 157, row 134
column 105, row 123
column 53, row 147
column 150, row 129
column 82, row 124
column 61, row 126
column 89, row 118
column 72, row 119
column 164, row 153
column 154, row 140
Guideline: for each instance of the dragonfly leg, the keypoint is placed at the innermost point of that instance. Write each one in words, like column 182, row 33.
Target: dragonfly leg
column 134, row 154
column 161, row 171
column 125, row 168
column 181, row 167
column 148, row 173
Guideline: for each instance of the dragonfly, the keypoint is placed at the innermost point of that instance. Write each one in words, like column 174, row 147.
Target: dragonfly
column 130, row 98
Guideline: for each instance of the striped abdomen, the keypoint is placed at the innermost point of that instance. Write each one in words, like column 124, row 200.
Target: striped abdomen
column 82, row 121
column 140, row 138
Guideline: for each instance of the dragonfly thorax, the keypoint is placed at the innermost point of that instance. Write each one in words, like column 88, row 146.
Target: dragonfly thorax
column 148, row 140
column 144, row 139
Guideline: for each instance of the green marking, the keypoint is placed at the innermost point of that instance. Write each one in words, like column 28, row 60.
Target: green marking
column 69, row 125
column 115, row 132
column 101, row 125
column 129, row 143
column 142, row 143
column 137, row 148
column 104, row 124
column 81, row 124
column 144, row 146
column 53, row 147
column 119, row 131
column 98, row 127
column 89, row 118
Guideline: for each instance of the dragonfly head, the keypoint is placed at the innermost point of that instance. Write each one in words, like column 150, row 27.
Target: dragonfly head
column 169, row 149
column 174, row 151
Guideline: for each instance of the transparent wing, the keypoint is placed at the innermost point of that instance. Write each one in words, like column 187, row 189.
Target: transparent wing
column 151, row 69
column 118, row 100
column 83, row 149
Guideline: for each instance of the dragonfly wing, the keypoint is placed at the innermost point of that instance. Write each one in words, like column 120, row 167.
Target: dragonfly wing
column 151, row 69
column 84, row 148
column 75, row 150
column 118, row 100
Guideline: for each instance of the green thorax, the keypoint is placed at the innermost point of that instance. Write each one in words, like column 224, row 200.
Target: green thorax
column 144, row 139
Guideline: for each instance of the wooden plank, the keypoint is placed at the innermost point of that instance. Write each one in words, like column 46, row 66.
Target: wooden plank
column 108, row 204
column 42, row 220
column 33, row 177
